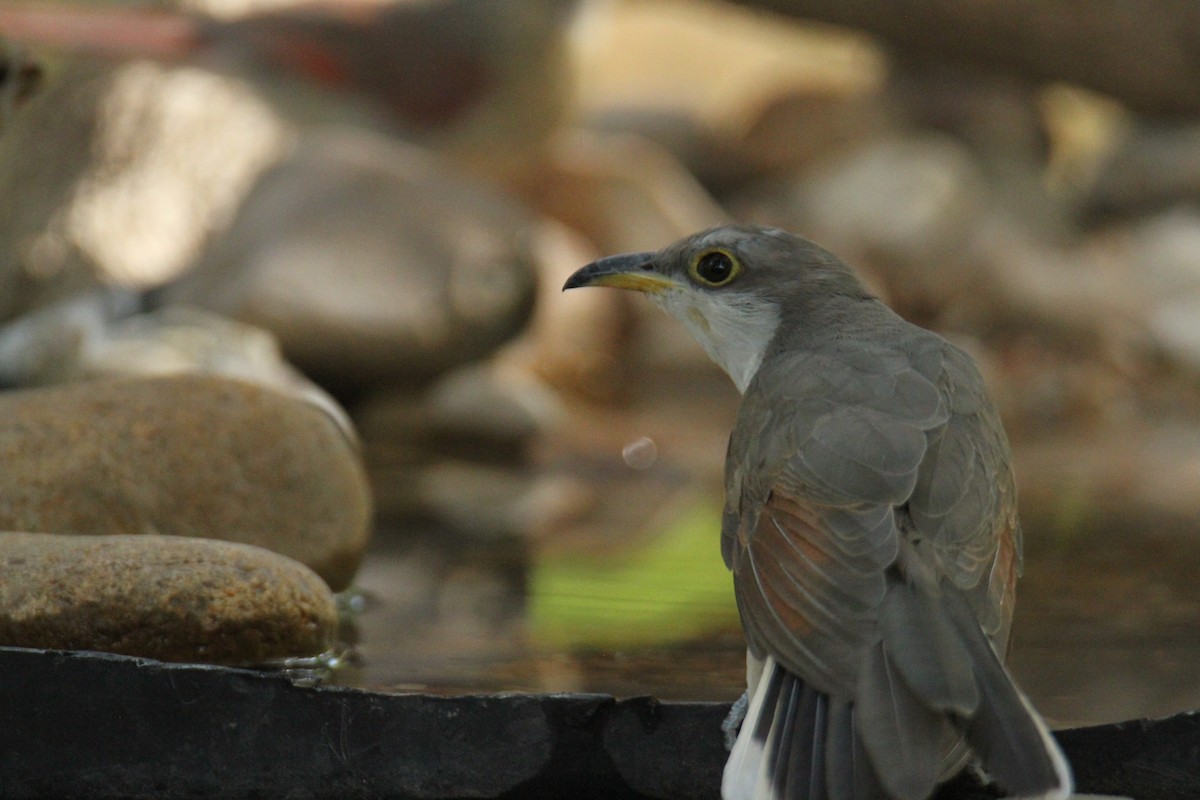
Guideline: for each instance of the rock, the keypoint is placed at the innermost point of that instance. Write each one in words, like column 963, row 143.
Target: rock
column 1164, row 252
column 787, row 133
column 123, row 171
column 458, row 454
column 715, row 62
column 479, row 411
column 51, row 343
column 165, row 726
column 623, row 192
column 918, row 219
column 912, row 199
column 1161, row 254
column 396, row 270
column 486, row 404
column 996, row 114
column 799, row 128
column 1173, row 328
column 706, row 153
column 493, row 503
column 106, row 333
column 184, row 456
column 1154, row 166
column 163, row 597
column 574, row 340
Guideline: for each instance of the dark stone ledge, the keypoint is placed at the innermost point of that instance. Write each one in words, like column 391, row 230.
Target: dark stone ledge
column 91, row 725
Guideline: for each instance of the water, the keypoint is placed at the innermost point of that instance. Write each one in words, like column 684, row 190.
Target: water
column 1107, row 624
column 1104, row 632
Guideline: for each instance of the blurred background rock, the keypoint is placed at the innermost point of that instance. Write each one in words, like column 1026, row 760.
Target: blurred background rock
column 388, row 246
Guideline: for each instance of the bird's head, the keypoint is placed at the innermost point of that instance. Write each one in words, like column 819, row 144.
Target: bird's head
column 730, row 286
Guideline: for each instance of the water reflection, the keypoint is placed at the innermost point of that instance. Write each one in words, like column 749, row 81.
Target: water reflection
column 1102, row 634
column 633, row 599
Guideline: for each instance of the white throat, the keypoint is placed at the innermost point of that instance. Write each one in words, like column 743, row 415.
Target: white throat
column 733, row 329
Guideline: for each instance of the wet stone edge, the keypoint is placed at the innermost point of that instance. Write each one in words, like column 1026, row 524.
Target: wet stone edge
column 81, row 724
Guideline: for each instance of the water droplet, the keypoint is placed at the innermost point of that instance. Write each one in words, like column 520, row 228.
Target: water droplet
column 640, row 453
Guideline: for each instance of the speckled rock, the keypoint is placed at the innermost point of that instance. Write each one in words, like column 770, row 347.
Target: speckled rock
column 186, row 456
column 164, row 597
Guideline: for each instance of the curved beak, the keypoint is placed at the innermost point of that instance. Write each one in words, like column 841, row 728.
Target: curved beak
column 628, row 271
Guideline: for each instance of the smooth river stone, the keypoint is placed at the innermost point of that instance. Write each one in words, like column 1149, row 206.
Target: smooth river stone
column 185, row 456
column 164, row 597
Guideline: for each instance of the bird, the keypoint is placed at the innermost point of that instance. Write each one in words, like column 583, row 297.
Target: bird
column 455, row 74
column 870, row 524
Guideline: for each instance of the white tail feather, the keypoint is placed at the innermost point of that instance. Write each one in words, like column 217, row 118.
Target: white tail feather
column 747, row 776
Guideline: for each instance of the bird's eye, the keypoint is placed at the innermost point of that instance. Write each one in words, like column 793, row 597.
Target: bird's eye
column 715, row 268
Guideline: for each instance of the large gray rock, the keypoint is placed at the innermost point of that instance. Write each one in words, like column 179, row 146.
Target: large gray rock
column 186, row 456
column 371, row 262
column 164, row 597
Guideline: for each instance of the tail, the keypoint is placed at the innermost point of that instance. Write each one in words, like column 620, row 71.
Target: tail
column 108, row 32
column 1010, row 739
column 931, row 694
column 797, row 742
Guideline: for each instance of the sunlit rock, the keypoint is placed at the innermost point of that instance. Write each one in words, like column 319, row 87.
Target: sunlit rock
column 186, row 456
column 163, row 597
column 371, row 262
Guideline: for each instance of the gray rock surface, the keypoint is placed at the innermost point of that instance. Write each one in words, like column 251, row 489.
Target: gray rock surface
column 163, row 597
column 186, row 456
column 1155, row 165
column 458, row 454
column 395, row 269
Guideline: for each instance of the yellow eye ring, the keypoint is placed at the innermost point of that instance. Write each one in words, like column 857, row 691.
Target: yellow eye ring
column 714, row 268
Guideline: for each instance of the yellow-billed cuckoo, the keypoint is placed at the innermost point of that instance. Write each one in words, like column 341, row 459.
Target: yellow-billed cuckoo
column 870, row 524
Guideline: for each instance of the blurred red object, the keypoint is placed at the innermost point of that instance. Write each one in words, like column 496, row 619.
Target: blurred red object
column 419, row 65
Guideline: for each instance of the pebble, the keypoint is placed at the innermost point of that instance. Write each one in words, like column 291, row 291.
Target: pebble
column 163, row 597
column 187, row 456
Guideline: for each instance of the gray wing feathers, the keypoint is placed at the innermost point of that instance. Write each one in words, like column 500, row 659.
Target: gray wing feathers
column 809, row 598
column 927, row 651
column 1010, row 739
column 849, row 774
column 846, row 425
column 855, row 453
column 861, row 436
column 906, row 739
column 871, row 528
column 964, row 494
column 825, row 446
